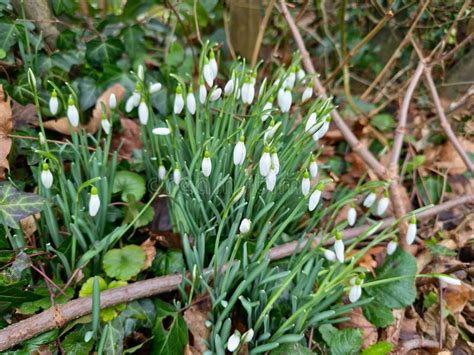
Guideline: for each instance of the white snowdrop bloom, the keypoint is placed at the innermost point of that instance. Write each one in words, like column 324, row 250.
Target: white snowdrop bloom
column 311, row 125
column 154, row 87
column 202, row 93
column 191, row 102
column 270, row 179
column 450, row 280
column 356, row 290
column 307, row 93
column 323, row 130
column 207, row 73
column 247, row 91
column 382, row 205
column 136, row 98
column 284, row 99
column 213, row 64
column 161, row 131
column 369, row 200
column 143, row 112
column 72, row 113
column 300, row 74
column 129, row 105
column 94, row 202
column 315, row 197
column 313, row 168
column 270, row 132
column 176, row 175
column 275, row 161
column 248, row 336
column 240, row 151
column 265, row 162
column 206, row 165
column 141, row 72
column 178, row 101
column 391, row 247
column 233, row 342
column 46, row 177
column 162, row 172
column 291, row 78
column 339, row 247
column 411, row 231
column 262, row 87
column 216, row 94
column 245, row 226
column 229, row 87
column 267, row 109
column 105, row 123
column 351, row 216
column 329, row 255
column 305, row 184
column 113, row 101
column 54, row 103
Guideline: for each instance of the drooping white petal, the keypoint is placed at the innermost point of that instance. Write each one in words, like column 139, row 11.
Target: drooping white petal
column 216, row 94
column 94, row 205
column 161, row 131
column 233, row 342
column 450, row 280
column 411, row 233
column 391, row 247
column 214, row 68
column 275, row 162
column 270, row 132
column 143, row 113
column 267, row 109
column 351, row 216
column 202, row 94
column 300, row 74
column 73, row 115
column 354, row 293
column 105, row 123
column 177, row 176
column 305, row 186
column 307, row 93
column 178, row 104
column 191, row 103
column 229, row 87
column 321, row 131
column 248, row 93
column 314, row 199
column 284, row 100
column 53, row 104
column 208, row 75
column 265, row 164
column 136, row 98
column 382, row 205
column 289, row 81
column 129, row 105
column 239, row 153
column 270, row 179
column 248, row 336
column 311, row 125
column 313, row 169
column 329, row 255
column 369, row 200
column 47, row 178
column 245, row 226
column 339, row 250
column 206, row 166
column 113, row 101
column 155, row 87
column 162, row 172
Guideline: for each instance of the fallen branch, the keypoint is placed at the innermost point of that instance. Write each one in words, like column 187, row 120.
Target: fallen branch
column 60, row 315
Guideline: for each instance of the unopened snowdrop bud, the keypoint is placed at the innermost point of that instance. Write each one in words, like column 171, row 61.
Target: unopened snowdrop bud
column 143, row 112
column 206, row 165
column 311, row 125
column 72, row 113
column 248, row 336
column 162, row 172
column 94, row 202
column 32, row 79
column 308, row 92
column 141, row 72
column 155, row 87
column 46, row 177
column 216, row 94
column 411, row 231
column 382, row 205
column 213, row 64
column 450, row 280
column 369, row 199
column 245, row 226
column 229, row 87
column 284, row 99
column 233, row 342
column 113, row 101
column 392, row 246
column 161, row 131
column 270, row 179
column 53, row 103
column 129, row 105
column 315, row 197
column 240, row 151
column 329, row 255
column 267, row 109
column 321, row 132
column 275, row 161
column 339, row 247
column 313, row 168
column 178, row 101
column 351, row 215
column 207, row 73
column 105, row 123
column 191, row 101
column 177, row 175
column 247, row 91
column 305, row 184
column 270, row 132
column 265, row 162
column 202, row 93
column 300, row 74
column 356, row 290
column 291, row 78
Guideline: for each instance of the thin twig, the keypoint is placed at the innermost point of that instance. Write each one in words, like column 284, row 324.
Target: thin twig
column 261, row 32
column 458, row 47
column 418, row 343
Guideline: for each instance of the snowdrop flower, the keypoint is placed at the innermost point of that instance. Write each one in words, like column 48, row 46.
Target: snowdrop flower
column 240, row 151
column 315, row 197
column 356, row 290
column 105, row 123
column 154, row 87
column 382, row 205
column 265, row 162
column 323, row 130
column 53, row 103
column 271, row 130
column 300, row 74
column 369, row 200
column 162, row 172
column 161, row 131
column 206, row 165
column 411, row 231
column 247, row 91
column 270, row 179
column 207, row 73
column 46, row 177
column 72, row 113
column 305, row 184
column 308, row 92
column 275, row 161
column 216, row 94
column 291, row 78
column 248, row 336
column 213, row 64
column 313, row 168
column 284, row 99
column 339, row 247
column 136, row 96
column 191, row 101
column 177, row 175
column 229, row 87
column 113, row 101
column 178, row 101
column 245, row 225
column 329, row 255
column 129, row 105
column 267, row 109
column 450, row 280
column 233, row 342
column 202, row 93
column 143, row 112
column 392, row 246
column 351, row 215
column 311, row 125
column 140, row 72
column 94, row 202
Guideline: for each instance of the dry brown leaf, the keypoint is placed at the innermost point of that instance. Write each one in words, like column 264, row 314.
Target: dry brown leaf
column 430, row 325
column 448, row 158
column 369, row 259
column 6, row 126
column 94, row 122
column 195, row 317
column 28, row 226
column 148, row 247
column 456, row 297
column 357, row 320
column 60, row 125
column 189, row 350
column 129, row 137
column 23, row 115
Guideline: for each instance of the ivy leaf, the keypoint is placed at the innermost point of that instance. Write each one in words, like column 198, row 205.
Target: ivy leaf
column 169, row 262
column 341, row 342
column 8, row 35
column 131, row 183
column 378, row 314
column 16, row 205
column 14, row 294
column 100, row 52
column 397, row 294
column 133, row 39
column 125, row 263
column 380, row 348
column 172, row 338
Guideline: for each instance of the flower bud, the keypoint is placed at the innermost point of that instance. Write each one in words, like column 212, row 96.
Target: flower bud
column 382, row 205
column 392, row 246
column 54, row 103
column 105, row 123
column 46, row 177
column 94, row 202
column 369, row 199
column 245, row 226
column 305, row 184
column 247, row 91
column 240, row 151
column 411, row 231
column 339, row 247
column 206, row 165
column 72, row 113
column 351, row 216
column 284, row 99
column 178, row 101
column 143, row 113
column 191, row 102
column 265, row 162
